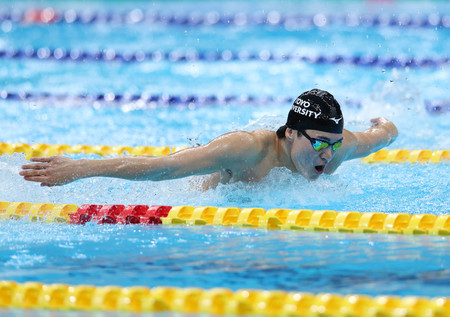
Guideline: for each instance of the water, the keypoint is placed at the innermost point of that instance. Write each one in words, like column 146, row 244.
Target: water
column 229, row 257
column 235, row 258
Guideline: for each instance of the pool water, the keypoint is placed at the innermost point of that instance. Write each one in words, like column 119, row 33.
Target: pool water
column 228, row 257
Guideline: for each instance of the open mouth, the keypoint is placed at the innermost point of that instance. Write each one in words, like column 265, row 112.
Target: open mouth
column 319, row 168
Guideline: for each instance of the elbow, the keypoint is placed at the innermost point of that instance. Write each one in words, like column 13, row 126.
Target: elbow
column 392, row 133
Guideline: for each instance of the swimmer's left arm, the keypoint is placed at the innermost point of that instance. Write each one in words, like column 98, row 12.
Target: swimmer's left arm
column 360, row 144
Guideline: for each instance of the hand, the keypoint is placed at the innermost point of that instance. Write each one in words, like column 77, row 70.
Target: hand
column 378, row 121
column 51, row 171
column 387, row 125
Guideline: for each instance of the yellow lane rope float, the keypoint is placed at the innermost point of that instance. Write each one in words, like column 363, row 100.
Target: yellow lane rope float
column 274, row 219
column 413, row 156
column 41, row 149
column 216, row 301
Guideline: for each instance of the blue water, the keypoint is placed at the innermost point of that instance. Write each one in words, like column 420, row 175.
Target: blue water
column 228, row 257
column 235, row 258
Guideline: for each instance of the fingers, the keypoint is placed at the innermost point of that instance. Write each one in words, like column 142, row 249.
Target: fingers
column 44, row 163
column 46, row 159
column 375, row 120
column 43, row 179
column 39, row 172
column 35, row 166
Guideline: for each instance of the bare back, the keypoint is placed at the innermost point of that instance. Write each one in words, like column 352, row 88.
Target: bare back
column 266, row 146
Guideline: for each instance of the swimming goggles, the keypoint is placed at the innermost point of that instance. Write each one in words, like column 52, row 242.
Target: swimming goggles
column 318, row 144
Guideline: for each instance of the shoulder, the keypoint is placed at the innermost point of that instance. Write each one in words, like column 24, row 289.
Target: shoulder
column 248, row 144
column 246, row 138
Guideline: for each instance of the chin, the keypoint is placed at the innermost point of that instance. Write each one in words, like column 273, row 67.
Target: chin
column 311, row 176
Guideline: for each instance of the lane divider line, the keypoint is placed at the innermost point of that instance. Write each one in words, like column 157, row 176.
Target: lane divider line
column 290, row 22
column 215, row 301
column 111, row 55
column 42, row 149
column 395, row 156
column 144, row 101
column 159, row 100
column 272, row 219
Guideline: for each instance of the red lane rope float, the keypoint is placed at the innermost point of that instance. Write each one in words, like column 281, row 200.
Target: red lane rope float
column 120, row 214
column 274, row 219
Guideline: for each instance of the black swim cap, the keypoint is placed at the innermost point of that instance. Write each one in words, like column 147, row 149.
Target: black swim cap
column 317, row 110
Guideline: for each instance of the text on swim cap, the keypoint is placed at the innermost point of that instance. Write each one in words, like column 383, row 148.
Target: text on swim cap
column 300, row 106
column 302, row 103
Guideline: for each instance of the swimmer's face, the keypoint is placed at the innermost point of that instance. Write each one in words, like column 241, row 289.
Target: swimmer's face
column 309, row 162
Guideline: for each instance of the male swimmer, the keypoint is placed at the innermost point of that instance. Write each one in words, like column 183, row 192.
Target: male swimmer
column 312, row 142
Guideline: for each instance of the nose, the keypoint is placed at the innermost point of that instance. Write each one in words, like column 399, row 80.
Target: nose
column 327, row 154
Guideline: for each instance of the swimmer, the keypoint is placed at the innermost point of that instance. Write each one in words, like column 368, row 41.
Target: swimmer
column 312, row 142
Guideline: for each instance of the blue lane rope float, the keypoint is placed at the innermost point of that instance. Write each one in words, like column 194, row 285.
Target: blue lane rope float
column 164, row 100
column 214, row 18
column 111, row 55
column 438, row 107
column 155, row 100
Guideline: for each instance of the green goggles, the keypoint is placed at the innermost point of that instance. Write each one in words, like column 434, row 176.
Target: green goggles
column 318, row 144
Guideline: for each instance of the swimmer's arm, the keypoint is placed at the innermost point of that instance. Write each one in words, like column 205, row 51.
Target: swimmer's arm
column 226, row 151
column 360, row 144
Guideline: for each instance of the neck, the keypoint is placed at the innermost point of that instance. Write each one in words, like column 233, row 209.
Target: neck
column 283, row 153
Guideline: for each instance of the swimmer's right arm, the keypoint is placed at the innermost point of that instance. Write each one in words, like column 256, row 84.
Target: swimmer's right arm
column 223, row 152
column 382, row 133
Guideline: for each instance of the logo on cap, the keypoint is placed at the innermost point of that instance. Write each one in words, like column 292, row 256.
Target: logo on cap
column 336, row 120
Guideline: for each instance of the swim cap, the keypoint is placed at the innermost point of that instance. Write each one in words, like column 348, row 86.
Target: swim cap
column 317, row 110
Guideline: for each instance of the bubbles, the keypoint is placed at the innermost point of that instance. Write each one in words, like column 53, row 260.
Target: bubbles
column 25, row 260
column 6, row 26
column 410, row 188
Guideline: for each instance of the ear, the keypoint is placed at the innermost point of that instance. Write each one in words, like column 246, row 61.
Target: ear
column 290, row 134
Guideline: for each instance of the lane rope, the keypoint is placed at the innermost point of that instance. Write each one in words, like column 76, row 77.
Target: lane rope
column 144, row 101
column 111, row 55
column 43, row 149
column 272, row 219
column 215, row 301
column 290, row 22
column 404, row 156
column 154, row 100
